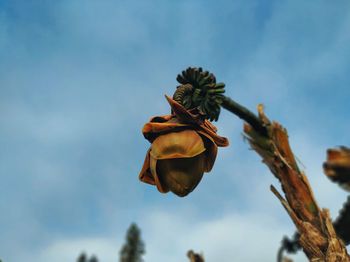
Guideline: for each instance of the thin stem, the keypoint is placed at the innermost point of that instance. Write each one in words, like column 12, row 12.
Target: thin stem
column 244, row 114
column 280, row 254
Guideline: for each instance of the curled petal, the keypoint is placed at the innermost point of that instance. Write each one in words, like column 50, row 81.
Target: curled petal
column 181, row 175
column 210, row 129
column 153, row 167
column 211, row 151
column 145, row 173
column 183, row 114
column 181, row 144
column 161, row 125
column 187, row 117
column 176, row 145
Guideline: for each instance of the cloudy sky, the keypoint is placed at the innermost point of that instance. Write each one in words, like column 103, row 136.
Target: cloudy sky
column 78, row 79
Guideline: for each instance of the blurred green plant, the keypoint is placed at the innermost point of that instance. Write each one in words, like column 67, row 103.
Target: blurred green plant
column 134, row 247
column 83, row 258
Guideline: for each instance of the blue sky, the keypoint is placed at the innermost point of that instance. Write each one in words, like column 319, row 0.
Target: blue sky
column 78, row 79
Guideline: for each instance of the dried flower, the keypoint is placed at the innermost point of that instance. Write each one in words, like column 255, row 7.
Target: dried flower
column 183, row 147
column 337, row 166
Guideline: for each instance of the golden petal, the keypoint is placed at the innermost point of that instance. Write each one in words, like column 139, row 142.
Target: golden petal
column 145, row 173
column 161, row 125
column 186, row 116
column 181, row 175
column 182, row 113
column 210, row 129
column 182, row 144
column 160, row 186
column 211, row 150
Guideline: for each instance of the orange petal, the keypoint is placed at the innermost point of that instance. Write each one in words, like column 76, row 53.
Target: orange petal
column 182, row 144
column 181, row 175
column 161, row 119
column 151, row 128
column 209, row 129
column 153, row 167
column 145, row 173
column 209, row 125
column 182, row 113
column 161, row 125
column 211, row 151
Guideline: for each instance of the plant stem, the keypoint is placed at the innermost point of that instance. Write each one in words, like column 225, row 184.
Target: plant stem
column 245, row 114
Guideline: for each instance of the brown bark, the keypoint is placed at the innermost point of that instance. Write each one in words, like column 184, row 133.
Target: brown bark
column 317, row 235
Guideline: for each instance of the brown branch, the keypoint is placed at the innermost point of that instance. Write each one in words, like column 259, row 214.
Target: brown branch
column 194, row 257
column 317, row 235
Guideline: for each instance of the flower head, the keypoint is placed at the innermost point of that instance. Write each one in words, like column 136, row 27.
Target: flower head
column 183, row 147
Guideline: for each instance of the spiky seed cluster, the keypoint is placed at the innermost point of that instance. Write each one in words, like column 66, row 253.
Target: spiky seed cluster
column 199, row 90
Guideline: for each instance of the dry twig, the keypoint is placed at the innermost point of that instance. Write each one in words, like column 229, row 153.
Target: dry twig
column 317, row 234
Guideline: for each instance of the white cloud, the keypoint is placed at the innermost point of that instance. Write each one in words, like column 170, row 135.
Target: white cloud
column 168, row 237
column 237, row 236
column 106, row 250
